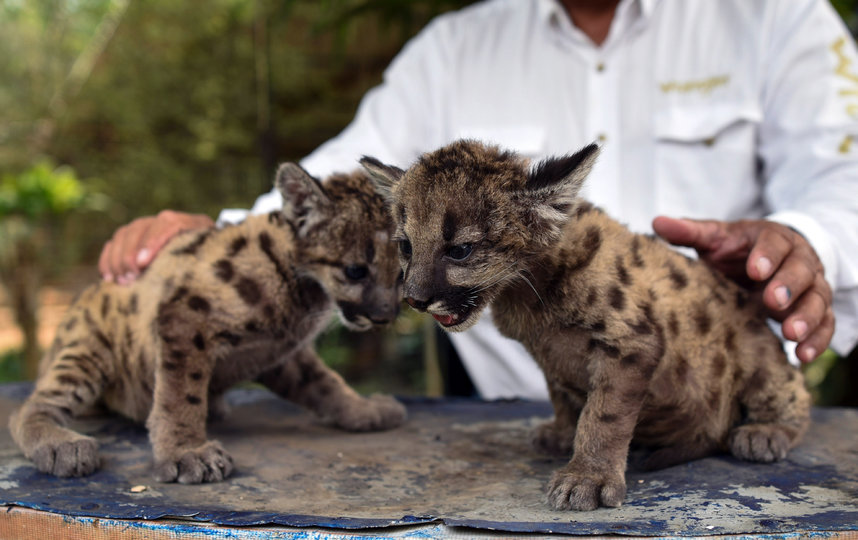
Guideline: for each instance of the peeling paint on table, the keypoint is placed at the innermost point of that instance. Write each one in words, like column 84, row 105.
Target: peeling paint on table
column 460, row 463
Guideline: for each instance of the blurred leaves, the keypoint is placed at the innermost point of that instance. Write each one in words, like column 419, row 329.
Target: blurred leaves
column 407, row 16
column 11, row 365
column 188, row 105
column 40, row 191
column 185, row 105
column 33, row 205
column 389, row 361
column 848, row 10
column 831, row 379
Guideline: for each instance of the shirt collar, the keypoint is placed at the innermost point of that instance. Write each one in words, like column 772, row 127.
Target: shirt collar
column 551, row 10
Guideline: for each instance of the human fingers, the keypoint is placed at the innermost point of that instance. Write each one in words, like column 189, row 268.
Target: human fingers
column 797, row 292
column 103, row 261
column 817, row 341
column 134, row 246
column 702, row 235
column 789, row 265
column 167, row 224
column 772, row 244
column 116, row 261
column 804, row 317
column 723, row 245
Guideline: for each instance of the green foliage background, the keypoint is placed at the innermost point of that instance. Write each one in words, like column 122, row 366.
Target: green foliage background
column 187, row 105
column 190, row 105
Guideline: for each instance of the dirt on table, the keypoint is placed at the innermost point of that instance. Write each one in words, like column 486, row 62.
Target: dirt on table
column 460, row 462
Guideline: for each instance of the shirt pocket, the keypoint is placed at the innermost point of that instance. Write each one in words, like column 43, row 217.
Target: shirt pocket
column 705, row 161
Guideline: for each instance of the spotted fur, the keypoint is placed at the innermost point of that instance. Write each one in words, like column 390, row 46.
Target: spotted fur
column 217, row 307
column 637, row 342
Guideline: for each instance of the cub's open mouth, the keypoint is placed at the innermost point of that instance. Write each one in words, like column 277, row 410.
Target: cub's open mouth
column 451, row 319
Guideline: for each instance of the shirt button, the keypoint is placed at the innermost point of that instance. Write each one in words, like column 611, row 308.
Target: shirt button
column 601, row 137
column 600, row 67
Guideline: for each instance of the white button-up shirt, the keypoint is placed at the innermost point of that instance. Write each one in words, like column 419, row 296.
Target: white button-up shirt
column 722, row 109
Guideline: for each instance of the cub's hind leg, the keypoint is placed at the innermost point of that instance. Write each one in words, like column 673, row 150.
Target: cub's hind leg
column 778, row 413
column 74, row 376
column 304, row 379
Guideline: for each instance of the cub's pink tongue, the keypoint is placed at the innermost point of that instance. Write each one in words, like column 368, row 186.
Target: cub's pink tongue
column 446, row 320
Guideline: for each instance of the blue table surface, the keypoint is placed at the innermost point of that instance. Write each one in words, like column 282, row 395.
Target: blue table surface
column 457, row 462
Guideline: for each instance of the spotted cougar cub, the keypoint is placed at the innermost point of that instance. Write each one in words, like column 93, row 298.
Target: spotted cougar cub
column 217, row 307
column 637, row 342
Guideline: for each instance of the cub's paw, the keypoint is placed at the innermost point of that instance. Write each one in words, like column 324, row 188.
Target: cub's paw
column 577, row 488
column 374, row 413
column 72, row 455
column 551, row 439
column 759, row 442
column 208, row 462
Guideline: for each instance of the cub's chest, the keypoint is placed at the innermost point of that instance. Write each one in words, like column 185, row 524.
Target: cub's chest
column 528, row 326
column 256, row 350
column 248, row 361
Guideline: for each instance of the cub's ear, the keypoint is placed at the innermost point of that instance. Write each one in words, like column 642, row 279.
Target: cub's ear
column 563, row 174
column 551, row 190
column 304, row 198
column 383, row 176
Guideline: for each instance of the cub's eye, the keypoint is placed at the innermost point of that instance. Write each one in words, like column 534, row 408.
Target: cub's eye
column 460, row 252
column 356, row 272
column 405, row 248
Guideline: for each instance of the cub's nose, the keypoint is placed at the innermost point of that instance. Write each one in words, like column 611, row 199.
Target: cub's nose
column 419, row 305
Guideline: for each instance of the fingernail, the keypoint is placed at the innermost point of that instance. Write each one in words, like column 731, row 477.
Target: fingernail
column 764, row 266
column 129, row 277
column 800, row 329
column 107, row 277
column 811, row 354
column 782, row 295
column 143, row 256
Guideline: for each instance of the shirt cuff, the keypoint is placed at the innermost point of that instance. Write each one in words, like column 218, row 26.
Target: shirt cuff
column 267, row 202
column 231, row 216
column 816, row 235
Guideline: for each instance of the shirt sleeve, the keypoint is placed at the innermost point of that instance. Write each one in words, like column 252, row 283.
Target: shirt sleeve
column 402, row 117
column 809, row 160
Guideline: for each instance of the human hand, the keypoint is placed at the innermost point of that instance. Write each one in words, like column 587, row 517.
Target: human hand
column 134, row 246
column 796, row 293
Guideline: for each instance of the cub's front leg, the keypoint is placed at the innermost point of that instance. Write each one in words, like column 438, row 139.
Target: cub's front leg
column 595, row 476
column 177, row 422
column 304, row 379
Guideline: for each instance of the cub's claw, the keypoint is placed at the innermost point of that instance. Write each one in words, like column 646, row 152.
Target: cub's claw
column 76, row 456
column 374, row 413
column 573, row 490
column 208, row 462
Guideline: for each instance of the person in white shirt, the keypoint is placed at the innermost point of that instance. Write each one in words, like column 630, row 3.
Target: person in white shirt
column 739, row 115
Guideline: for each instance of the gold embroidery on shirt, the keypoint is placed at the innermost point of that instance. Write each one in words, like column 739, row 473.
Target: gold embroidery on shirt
column 704, row 86
column 843, row 70
column 843, row 63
